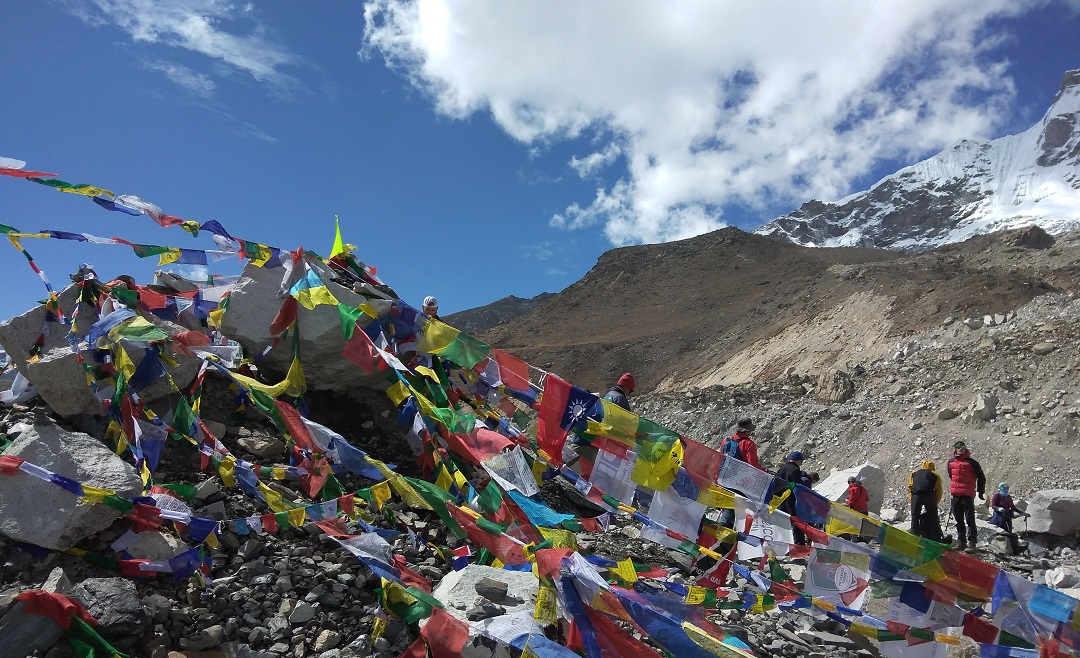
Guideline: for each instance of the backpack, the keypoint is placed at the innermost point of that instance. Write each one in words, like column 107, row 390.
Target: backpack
column 730, row 448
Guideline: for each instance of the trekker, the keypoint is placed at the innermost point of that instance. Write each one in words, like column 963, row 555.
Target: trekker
column 857, row 497
column 622, row 388
column 739, row 446
column 431, row 307
column 792, row 472
column 1004, row 509
column 924, row 489
column 966, row 480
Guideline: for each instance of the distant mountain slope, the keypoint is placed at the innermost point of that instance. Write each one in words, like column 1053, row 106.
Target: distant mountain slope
column 475, row 320
column 681, row 311
column 970, row 189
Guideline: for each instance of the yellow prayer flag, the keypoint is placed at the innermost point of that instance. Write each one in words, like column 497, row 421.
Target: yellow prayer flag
column 398, row 393
column 278, row 473
column 625, row 571
column 86, row 190
column 863, row 629
column 821, row 603
column 144, row 473
column 777, row 501
column 717, row 497
column 546, row 613
column 496, row 563
column 95, row 494
column 659, row 475
column 273, row 499
column 226, row 469
column 619, row 423
column 123, row 362
column 945, row 638
column 339, row 244
column 296, row 517
column 211, row 540
column 437, row 337
column 309, row 298
column 170, row 256
column 444, row 481
column 215, row 317
column 711, row 644
column 427, row 372
column 859, row 561
column 381, row 493
column 293, row 385
column 378, row 628
column 695, row 595
column 560, row 538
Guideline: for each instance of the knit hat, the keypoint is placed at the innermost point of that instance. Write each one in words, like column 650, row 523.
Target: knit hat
column 852, row 478
column 959, row 445
column 627, row 383
column 794, row 456
column 1003, row 487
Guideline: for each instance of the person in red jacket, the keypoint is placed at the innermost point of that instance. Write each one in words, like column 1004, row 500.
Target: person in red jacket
column 966, row 480
column 857, row 497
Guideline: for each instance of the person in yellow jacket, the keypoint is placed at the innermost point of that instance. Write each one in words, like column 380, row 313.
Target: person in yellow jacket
column 924, row 489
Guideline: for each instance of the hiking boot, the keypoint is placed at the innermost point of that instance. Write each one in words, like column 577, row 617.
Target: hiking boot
column 961, row 545
column 970, row 547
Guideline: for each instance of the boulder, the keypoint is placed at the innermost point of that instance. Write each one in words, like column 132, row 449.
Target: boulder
column 24, row 634
column 834, row 387
column 457, row 590
column 834, row 486
column 947, row 414
column 1054, row 512
column 115, row 604
column 1062, row 577
column 42, row 513
column 57, row 378
column 984, row 407
column 255, row 301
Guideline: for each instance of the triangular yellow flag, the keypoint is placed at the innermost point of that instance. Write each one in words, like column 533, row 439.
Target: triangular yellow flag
column 339, row 246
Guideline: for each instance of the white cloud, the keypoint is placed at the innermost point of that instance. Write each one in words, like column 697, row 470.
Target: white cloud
column 205, row 27
column 197, row 83
column 710, row 104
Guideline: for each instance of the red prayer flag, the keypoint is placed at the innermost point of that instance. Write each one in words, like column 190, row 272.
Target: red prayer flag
column 23, row 173
column 980, row 630
column 185, row 340
column 347, row 504
column 549, row 560
column 700, row 459
column 445, row 634
column 152, row 300
column 286, row 315
column 9, row 465
column 269, row 522
column 512, row 371
column 550, row 436
column 408, row 576
column 360, row 351
column 335, row 528
column 294, row 423
column 55, row 606
column 416, row 650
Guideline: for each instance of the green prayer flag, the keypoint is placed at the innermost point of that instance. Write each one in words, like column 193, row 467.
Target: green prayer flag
column 466, row 351
column 349, row 315
column 491, row 498
column 438, row 499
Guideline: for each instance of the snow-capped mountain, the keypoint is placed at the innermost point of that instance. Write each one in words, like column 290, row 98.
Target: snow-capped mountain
column 971, row 188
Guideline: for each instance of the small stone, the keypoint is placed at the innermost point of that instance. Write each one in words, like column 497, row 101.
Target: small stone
column 207, row 638
column 1042, row 349
column 327, row 640
column 302, row 613
column 491, row 589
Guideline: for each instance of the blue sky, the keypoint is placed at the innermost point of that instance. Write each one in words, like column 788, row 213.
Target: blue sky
column 479, row 149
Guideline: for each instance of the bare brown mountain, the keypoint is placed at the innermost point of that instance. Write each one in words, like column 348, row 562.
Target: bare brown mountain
column 729, row 307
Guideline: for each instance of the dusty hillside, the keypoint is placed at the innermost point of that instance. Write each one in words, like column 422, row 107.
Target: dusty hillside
column 731, row 307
